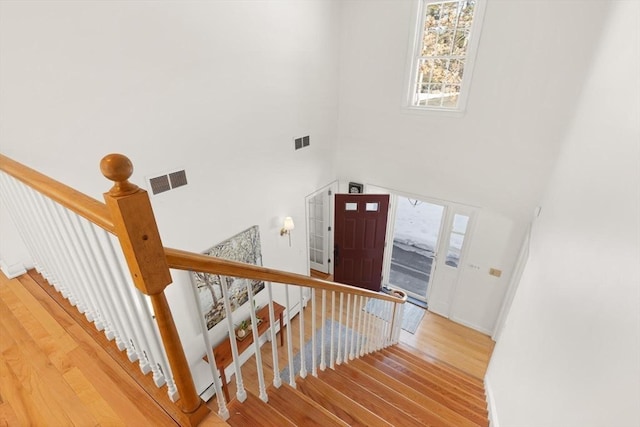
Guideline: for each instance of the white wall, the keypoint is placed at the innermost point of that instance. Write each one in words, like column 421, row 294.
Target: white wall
column 570, row 353
column 219, row 88
column 531, row 63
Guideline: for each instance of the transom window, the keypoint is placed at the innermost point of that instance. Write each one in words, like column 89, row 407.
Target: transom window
column 445, row 44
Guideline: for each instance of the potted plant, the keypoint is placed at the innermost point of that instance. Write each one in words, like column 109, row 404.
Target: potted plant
column 241, row 331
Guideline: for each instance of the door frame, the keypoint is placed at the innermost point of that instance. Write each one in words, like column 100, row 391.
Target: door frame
column 333, row 187
column 450, row 209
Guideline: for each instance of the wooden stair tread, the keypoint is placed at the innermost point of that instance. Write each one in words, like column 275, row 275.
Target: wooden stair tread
column 368, row 400
column 406, row 349
column 436, row 365
column 337, row 403
column 436, row 385
column 376, row 381
column 254, row 412
column 424, row 370
column 305, row 412
column 451, row 400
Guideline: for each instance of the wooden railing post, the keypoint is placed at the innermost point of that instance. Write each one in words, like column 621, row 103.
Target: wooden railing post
column 138, row 234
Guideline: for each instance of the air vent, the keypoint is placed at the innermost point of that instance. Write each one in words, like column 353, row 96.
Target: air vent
column 159, row 184
column 303, row 141
column 166, row 182
column 178, row 179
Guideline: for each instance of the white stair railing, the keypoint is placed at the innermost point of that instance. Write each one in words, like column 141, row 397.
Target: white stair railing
column 358, row 326
column 86, row 266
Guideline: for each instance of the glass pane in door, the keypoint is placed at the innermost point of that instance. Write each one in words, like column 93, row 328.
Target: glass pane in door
column 317, row 230
column 456, row 239
column 415, row 239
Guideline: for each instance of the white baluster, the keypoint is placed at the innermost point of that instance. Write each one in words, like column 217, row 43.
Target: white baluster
column 359, row 336
column 303, row 364
column 131, row 315
column 223, row 411
column 372, row 318
column 354, row 328
column 333, row 329
column 396, row 324
column 25, row 208
column 383, row 324
column 314, row 362
column 400, row 314
column 94, row 284
column 241, row 393
column 79, row 226
column 292, row 374
column 277, row 381
column 345, row 353
column 103, row 287
column 380, row 331
column 53, row 273
column 389, row 330
column 368, row 322
column 20, row 216
column 61, row 254
column 256, row 343
column 377, row 328
column 73, row 244
column 153, row 352
column 323, row 362
column 340, row 328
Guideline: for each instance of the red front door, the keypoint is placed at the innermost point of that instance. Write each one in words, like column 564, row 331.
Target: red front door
column 359, row 236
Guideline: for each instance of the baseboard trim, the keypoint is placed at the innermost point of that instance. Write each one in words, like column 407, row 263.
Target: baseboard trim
column 12, row 271
column 491, row 404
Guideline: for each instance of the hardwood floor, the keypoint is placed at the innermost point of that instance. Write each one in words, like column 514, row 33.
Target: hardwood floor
column 450, row 342
column 53, row 373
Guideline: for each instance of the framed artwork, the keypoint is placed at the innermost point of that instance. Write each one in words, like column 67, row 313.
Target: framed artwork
column 355, row 188
column 243, row 247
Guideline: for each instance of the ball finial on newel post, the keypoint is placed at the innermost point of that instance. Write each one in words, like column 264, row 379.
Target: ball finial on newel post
column 118, row 168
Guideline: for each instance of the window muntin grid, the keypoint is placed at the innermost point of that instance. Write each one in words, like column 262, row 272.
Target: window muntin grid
column 442, row 53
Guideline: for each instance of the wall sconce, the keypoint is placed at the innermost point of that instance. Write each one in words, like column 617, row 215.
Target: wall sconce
column 287, row 226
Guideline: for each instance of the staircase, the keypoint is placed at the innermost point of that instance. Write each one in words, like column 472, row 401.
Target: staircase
column 397, row 386
column 107, row 262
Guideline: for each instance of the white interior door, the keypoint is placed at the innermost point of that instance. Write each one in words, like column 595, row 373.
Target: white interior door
column 319, row 219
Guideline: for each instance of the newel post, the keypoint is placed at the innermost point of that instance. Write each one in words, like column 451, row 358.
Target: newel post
column 138, row 234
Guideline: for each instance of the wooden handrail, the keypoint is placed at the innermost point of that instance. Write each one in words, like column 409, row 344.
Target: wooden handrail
column 183, row 260
column 97, row 212
column 85, row 206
